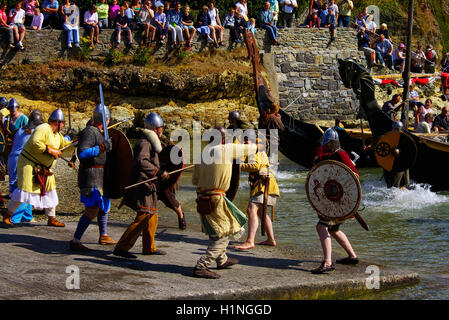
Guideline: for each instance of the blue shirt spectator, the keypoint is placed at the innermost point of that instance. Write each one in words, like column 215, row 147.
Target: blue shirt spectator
column 323, row 15
column 50, row 4
column 129, row 13
column 384, row 46
column 175, row 17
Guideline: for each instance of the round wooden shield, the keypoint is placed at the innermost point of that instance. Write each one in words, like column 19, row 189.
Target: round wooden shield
column 119, row 163
column 166, row 163
column 333, row 190
column 235, row 182
column 395, row 151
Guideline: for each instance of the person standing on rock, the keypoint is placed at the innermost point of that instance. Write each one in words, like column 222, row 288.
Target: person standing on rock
column 24, row 212
column 220, row 218
column 91, row 150
column 36, row 184
column 328, row 228
column 143, row 198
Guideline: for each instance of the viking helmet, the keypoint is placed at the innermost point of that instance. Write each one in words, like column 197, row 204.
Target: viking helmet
column 234, row 115
column 98, row 113
column 3, row 102
column 34, row 119
column 153, row 121
column 13, row 104
column 330, row 135
column 57, row 115
column 398, row 125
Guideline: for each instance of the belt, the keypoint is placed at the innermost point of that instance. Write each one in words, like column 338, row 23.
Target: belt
column 96, row 167
column 213, row 192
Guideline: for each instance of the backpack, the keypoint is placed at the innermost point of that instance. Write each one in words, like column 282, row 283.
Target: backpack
column 429, row 55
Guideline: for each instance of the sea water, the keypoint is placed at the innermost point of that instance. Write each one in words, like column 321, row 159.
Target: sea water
column 408, row 229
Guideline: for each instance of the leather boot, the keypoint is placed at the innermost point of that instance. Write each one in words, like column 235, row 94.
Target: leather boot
column 205, row 273
column 182, row 222
column 52, row 222
column 229, row 262
column 78, row 247
column 105, row 239
column 7, row 220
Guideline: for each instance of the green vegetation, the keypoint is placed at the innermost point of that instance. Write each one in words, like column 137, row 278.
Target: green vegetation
column 114, row 57
column 143, row 56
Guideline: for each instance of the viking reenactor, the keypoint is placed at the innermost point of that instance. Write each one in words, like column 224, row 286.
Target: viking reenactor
column 14, row 120
column 168, row 195
column 264, row 192
column 220, row 218
column 143, row 199
column 3, row 108
column 36, row 183
column 399, row 179
column 24, row 212
column 234, row 121
column 326, row 228
column 91, row 150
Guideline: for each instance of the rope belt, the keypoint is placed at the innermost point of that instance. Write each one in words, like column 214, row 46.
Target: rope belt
column 213, row 192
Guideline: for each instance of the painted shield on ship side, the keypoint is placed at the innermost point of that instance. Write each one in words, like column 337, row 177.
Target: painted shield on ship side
column 333, row 190
column 118, row 165
column 395, row 151
column 166, row 163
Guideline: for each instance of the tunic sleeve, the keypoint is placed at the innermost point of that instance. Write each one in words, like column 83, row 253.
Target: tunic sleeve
column 143, row 160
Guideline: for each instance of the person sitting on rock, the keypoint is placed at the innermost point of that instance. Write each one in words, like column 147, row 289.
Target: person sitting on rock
column 4, row 26
column 17, row 19
column 384, row 51
column 91, row 24
column 38, row 19
column 266, row 20
column 50, row 10
column 203, row 22
column 121, row 24
column 363, row 42
column 146, row 16
column 188, row 26
column 159, row 22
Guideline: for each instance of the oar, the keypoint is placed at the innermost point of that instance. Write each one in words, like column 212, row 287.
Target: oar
column 142, row 182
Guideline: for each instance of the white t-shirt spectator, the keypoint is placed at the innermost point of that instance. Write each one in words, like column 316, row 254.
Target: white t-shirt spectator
column 90, row 18
column 334, row 7
column 370, row 25
column 18, row 17
column 37, row 21
column 213, row 17
column 423, row 127
column 288, row 7
column 242, row 8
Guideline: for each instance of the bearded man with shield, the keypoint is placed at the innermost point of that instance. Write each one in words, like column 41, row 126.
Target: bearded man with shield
column 36, row 184
column 330, row 189
column 91, row 150
column 143, row 199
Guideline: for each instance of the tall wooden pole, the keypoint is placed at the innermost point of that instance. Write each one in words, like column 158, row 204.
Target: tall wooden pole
column 408, row 59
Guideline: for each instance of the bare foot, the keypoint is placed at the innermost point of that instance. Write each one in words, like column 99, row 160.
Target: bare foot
column 245, row 246
column 267, row 243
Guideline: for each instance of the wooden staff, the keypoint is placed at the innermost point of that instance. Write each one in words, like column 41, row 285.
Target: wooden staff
column 143, row 182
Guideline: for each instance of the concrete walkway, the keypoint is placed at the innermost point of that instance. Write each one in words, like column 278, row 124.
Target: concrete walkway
column 34, row 259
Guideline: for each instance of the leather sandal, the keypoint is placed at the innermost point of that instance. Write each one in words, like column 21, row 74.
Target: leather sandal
column 322, row 269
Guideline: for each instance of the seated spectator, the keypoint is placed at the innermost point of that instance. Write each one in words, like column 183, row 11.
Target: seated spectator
column 266, row 20
column 288, row 8
column 17, row 19
column 360, row 22
column 426, row 125
column 129, row 13
column 363, row 42
column 50, row 11
column 121, row 24
column 159, row 22
column 431, row 59
column 344, row 17
column 399, row 58
column 239, row 27
column 334, row 7
column 103, row 14
column 331, row 23
column 274, row 7
column 228, row 22
column 428, row 106
column 441, row 121
column 188, row 26
column 30, row 5
column 370, row 24
column 323, row 14
column 4, row 26
column 251, row 25
column 203, row 21
column 384, row 51
column 365, row 13
column 315, row 6
column 136, row 8
column 242, row 7
column 71, row 23
column 146, row 17
column 114, row 10
column 418, row 58
column 174, row 21
column 384, row 30
column 445, row 63
column 414, row 99
column 215, row 23
column 391, row 107
column 38, row 19
column 91, row 24
column 314, row 21
column 167, row 5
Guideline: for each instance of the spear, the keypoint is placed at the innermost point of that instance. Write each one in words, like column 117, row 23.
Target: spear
column 143, row 182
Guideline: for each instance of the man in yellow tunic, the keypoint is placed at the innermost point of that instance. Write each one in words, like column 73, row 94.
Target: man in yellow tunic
column 220, row 218
column 36, row 183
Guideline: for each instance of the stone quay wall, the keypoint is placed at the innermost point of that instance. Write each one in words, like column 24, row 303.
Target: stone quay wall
column 302, row 71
